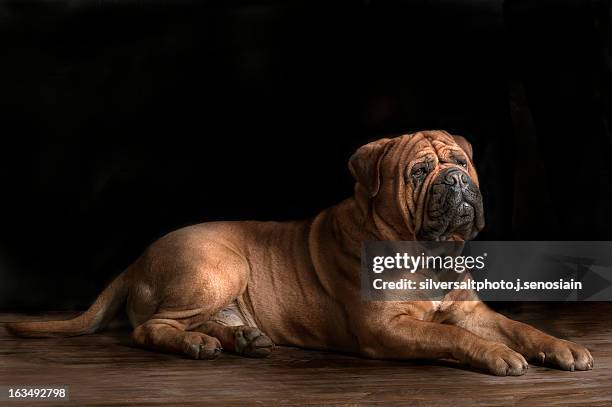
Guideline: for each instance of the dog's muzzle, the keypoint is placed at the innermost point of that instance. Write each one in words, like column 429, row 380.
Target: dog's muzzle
column 453, row 208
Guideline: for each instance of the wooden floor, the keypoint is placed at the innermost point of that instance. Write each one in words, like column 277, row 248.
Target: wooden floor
column 104, row 369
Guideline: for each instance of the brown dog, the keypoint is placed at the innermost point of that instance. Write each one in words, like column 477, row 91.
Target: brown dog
column 219, row 285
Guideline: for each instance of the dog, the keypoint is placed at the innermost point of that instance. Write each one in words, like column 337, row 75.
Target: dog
column 246, row 286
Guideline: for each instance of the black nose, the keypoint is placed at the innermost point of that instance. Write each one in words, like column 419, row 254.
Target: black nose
column 456, row 178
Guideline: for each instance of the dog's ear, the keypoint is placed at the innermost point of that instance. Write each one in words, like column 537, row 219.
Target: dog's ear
column 365, row 164
column 465, row 145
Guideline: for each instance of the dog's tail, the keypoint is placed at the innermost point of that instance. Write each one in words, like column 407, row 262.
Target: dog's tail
column 95, row 318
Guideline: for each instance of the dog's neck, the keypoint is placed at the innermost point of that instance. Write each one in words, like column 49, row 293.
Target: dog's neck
column 368, row 219
column 353, row 221
column 336, row 235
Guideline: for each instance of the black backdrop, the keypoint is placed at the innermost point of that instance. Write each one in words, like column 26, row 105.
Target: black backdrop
column 122, row 121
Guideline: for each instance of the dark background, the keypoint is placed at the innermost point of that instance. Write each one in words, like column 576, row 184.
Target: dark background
column 122, row 122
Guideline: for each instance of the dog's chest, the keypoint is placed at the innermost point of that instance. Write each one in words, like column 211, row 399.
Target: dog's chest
column 437, row 305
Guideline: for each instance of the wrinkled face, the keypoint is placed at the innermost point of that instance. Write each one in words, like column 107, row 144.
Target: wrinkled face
column 422, row 186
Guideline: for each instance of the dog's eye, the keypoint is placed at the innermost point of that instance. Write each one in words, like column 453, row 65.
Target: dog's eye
column 418, row 172
column 462, row 163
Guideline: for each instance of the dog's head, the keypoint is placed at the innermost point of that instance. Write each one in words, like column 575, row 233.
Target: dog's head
column 420, row 186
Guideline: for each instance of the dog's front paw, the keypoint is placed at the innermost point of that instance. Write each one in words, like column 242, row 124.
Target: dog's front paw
column 500, row 360
column 565, row 355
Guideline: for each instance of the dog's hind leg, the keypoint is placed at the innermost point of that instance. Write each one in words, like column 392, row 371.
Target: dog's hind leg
column 243, row 340
column 168, row 335
column 181, row 282
column 238, row 332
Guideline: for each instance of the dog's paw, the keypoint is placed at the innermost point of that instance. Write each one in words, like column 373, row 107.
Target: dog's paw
column 200, row 346
column 565, row 355
column 252, row 342
column 500, row 360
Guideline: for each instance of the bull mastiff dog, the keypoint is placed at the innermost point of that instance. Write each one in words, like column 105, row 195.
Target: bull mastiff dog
column 245, row 286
